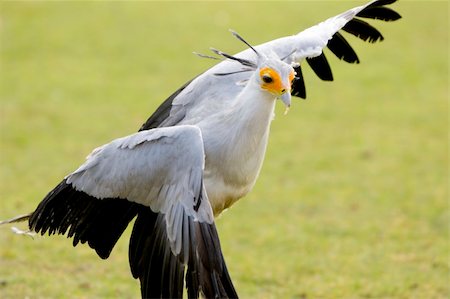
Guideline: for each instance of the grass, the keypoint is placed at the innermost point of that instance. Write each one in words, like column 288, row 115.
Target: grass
column 352, row 201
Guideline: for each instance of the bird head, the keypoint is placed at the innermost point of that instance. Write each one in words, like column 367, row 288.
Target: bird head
column 275, row 76
column 271, row 73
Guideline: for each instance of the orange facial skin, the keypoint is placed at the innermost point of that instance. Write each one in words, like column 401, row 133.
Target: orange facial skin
column 272, row 81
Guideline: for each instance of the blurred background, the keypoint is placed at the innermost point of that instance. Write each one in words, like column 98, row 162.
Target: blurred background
column 352, row 201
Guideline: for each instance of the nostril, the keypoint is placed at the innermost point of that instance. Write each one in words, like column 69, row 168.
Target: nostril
column 283, row 90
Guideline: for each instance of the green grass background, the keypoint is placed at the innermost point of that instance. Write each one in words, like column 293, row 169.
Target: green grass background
column 352, row 201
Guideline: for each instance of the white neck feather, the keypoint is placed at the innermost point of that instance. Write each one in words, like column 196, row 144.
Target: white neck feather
column 235, row 144
column 252, row 109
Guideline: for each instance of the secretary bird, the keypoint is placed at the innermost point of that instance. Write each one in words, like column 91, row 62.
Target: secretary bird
column 199, row 152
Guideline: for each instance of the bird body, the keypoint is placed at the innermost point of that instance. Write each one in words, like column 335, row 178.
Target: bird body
column 235, row 143
column 198, row 153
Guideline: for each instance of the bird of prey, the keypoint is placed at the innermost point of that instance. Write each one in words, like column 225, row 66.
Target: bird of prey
column 199, row 152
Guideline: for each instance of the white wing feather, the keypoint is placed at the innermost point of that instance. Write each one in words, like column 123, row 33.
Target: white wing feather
column 160, row 168
column 310, row 42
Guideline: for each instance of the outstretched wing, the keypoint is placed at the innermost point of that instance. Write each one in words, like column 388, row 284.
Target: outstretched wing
column 196, row 99
column 157, row 175
column 161, row 169
column 311, row 42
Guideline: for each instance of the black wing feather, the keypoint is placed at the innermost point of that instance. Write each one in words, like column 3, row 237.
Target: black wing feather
column 298, row 85
column 363, row 30
column 381, row 3
column 379, row 13
column 342, row 49
column 321, row 67
column 163, row 111
column 88, row 219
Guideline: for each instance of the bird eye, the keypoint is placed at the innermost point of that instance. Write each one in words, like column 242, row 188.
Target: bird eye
column 267, row 79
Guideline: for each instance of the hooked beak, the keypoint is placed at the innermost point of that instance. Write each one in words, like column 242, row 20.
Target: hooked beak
column 286, row 98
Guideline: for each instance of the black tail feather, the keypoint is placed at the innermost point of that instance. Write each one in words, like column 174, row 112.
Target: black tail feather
column 161, row 273
column 151, row 260
column 214, row 279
